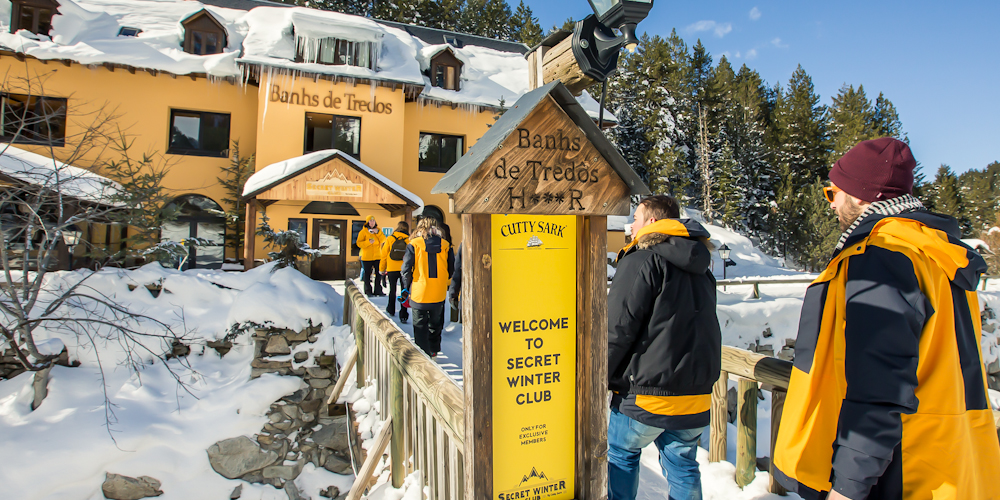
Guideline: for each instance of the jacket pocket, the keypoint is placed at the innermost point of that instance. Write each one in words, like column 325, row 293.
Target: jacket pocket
column 810, row 322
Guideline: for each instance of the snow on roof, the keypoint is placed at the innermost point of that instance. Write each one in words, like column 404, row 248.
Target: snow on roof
column 38, row 170
column 283, row 170
column 86, row 31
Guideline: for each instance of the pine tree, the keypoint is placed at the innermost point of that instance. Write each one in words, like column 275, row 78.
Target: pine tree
column 886, row 120
column 628, row 102
column 981, row 195
column 525, row 26
column 756, row 177
column 472, row 19
column 497, row 16
column 948, row 196
column 852, row 120
column 821, row 222
column 235, row 177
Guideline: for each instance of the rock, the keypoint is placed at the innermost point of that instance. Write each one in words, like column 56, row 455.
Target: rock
column 237, row 492
column 786, row 354
column 319, row 383
column 765, row 350
column 327, row 361
column 40, row 384
column 296, row 336
column 790, row 343
column 308, row 418
column 767, row 333
column 275, row 417
column 330, row 492
column 221, row 346
column 235, row 457
column 993, row 381
column 264, row 439
column 178, row 350
column 253, row 477
column 333, row 435
column 293, row 491
column 731, row 398
column 319, row 372
column 277, row 345
column 994, row 367
column 301, row 356
column 118, row 487
column 291, row 411
column 271, row 365
column 337, row 465
column 285, row 472
column 312, row 338
column 297, row 396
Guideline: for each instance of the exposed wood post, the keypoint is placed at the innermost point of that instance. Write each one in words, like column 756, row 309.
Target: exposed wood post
column 477, row 351
column 746, row 433
column 756, row 289
column 777, row 406
column 249, row 235
column 408, row 217
column 364, row 477
column 398, row 422
column 720, row 417
column 342, row 380
column 359, row 341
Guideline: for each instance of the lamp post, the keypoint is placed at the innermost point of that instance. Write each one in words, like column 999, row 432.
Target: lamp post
column 724, row 254
column 71, row 238
column 595, row 44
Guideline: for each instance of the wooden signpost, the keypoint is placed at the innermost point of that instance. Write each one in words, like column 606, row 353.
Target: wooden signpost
column 534, row 193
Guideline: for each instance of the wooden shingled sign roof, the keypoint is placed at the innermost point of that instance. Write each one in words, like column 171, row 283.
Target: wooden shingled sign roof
column 544, row 156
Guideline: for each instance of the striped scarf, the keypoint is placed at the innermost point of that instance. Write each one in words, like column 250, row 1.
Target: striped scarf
column 894, row 206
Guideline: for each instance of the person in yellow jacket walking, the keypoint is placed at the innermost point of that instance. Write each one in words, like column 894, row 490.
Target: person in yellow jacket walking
column 393, row 251
column 370, row 241
column 887, row 397
column 426, row 271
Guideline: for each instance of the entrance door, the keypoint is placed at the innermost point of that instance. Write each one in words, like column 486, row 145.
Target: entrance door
column 330, row 238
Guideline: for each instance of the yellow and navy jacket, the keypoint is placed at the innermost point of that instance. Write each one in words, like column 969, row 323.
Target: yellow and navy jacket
column 887, row 398
column 664, row 341
column 388, row 265
column 370, row 244
column 427, row 268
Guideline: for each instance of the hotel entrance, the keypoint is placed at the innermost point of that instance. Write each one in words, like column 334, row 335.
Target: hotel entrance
column 330, row 238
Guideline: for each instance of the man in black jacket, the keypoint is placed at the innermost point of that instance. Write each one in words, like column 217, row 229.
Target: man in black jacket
column 664, row 349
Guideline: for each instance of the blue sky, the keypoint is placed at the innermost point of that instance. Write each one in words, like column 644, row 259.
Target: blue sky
column 936, row 61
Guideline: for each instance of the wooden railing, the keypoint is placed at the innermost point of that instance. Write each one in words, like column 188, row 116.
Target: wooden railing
column 749, row 369
column 757, row 282
column 425, row 405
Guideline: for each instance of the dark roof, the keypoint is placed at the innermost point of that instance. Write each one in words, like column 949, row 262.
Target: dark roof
column 435, row 36
column 494, row 137
column 432, row 36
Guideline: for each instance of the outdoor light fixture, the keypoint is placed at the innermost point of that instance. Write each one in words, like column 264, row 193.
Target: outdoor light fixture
column 595, row 43
column 71, row 238
column 724, row 252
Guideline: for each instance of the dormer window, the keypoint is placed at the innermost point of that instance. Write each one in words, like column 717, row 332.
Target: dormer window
column 32, row 15
column 127, row 31
column 203, row 34
column 453, row 41
column 446, row 70
column 337, row 52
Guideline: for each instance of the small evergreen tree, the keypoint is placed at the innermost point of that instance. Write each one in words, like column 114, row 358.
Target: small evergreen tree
column 288, row 245
column 236, row 174
column 525, row 26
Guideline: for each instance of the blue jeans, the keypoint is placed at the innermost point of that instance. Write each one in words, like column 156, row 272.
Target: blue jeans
column 678, row 449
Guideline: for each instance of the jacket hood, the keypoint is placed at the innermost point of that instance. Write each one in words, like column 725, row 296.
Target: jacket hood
column 962, row 264
column 400, row 234
column 683, row 242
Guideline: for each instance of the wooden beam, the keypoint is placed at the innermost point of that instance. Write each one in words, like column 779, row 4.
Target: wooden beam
column 753, row 366
column 720, row 417
column 477, row 351
column 777, row 407
column 363, row 479
column 342, row 379
column 746, row 433
column 66, row 62
column 110, row 67
column 249, row 236
column 559, row 63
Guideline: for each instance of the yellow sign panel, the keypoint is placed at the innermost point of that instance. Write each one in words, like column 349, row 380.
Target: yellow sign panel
column 534, row 356
column 334, row 184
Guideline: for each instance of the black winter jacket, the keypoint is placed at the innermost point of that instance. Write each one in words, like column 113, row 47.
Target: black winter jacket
column 663, row 332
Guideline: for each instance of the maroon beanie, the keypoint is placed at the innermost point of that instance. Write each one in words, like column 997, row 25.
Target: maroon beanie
column 875, row 170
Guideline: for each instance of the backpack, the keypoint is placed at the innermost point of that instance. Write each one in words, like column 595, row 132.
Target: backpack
column 398, row 249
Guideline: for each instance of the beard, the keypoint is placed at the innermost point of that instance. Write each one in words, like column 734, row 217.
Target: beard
column 848, row 213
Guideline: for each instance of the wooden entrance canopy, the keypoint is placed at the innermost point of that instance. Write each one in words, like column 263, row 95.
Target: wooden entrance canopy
column 331, row 176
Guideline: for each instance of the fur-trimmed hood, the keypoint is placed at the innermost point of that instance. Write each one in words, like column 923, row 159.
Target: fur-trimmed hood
column 682, row 242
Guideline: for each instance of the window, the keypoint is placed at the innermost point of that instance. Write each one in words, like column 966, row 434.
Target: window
column 33, row 119
column 126, row 31
column 300, row 226
column 32, row 15
column 337, row 52
column 439, row 152
column 356, row 227
column 198, row 134
column 333, row 132
column 445, row 70
column 203, row 34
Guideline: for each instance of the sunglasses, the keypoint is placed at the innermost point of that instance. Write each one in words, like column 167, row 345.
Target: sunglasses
column 830, row 192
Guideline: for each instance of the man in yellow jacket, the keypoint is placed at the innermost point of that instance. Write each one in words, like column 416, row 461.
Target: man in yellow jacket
column 426, row 271
column 393, row 250
column 370, row 242
column 887, row 398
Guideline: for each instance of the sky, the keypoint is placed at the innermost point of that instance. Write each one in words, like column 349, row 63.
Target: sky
column 938, row 62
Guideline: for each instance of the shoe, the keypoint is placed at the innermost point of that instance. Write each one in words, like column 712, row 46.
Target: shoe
column 434, row 355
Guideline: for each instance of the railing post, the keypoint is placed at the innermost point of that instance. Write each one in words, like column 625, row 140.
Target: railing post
column 746, row 433
column 777, row 406
column 756, row 289
column 720, row 417
column 398, row 424
column 359, row 340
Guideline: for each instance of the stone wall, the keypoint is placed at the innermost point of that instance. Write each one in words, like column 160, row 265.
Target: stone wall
column 300, row 428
